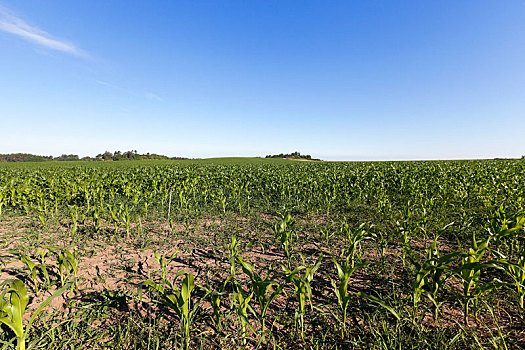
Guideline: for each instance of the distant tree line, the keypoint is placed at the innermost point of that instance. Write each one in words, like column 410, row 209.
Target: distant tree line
column 23, row 157
column 106, row 156
column 294, row 155
column 132, row 155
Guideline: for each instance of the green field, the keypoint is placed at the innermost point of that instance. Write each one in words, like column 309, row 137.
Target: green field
column 262, row 253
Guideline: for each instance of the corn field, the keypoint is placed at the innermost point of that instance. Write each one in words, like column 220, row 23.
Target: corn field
column 228, row 254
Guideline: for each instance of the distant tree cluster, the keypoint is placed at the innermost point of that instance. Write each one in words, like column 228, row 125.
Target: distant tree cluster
column 131, row 155
column 106, row 156
column 294, row 155
column 67, row 157
column 23, row 157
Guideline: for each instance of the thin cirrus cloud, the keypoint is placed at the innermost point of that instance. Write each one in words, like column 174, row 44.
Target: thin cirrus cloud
column 147, row 94
column 12, row 24
column 152, row 96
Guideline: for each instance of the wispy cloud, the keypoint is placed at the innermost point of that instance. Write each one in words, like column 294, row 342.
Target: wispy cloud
column 12, row 24
column 149, row 95
column 105, row 83
column 153, row 96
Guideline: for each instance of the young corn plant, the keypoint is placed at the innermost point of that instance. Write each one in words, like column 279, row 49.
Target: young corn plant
column 171, row 224
column 327, row 234
column 2, row 200
column 283, row 230
column 41, row 213
column 502, row 223
column 126, row 218
column 405, row 230
column 263, row 291
column 430, row 277
column 285, row 241
column 43, row 266
column 187, row 223
column 221, row 198
column 383, row 204
column 147, row 201
column 164, row 260
column 516, row 271
column 215, row 298
column 66, row 264
column 303, row 289
column 114, row 212
column 382, row 240
column 514, row 267
column 97, row 221
column 33, row 268
column 13, row 307
column 169, row 203
column 73, row 214
column 345, row 269
column 507, row 230
column 329, row 196
column 354, row 239
column 177, row 299
column 469, row 275
column 286, row 223
column 241, row 303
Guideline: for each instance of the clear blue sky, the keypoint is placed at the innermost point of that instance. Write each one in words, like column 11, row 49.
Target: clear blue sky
column 344, row 80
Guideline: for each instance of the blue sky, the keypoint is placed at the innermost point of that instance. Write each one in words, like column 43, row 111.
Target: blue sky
column 346, row 80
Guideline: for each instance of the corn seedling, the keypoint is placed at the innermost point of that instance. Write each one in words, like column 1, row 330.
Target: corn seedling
column 126, row 218
column 66, row 264
column 382, row 240
column 177, row 299
column 164, row 260
column 303, row 289
column 430, row 276
column 114, row 212
column 344, row 270
column 221, row 198
column 215, row 297
column 169, row 205
column 241, row 302
column 516, row 271
column 327, row 234
column 43, row 266
column 262, row 291
column 32, row 268
column 405, row 230
column 13, row 302
column 283, row 231
column 97, row 221
column 354, row 238
column 41, row 213
column 73, row 214
column 2, row 199
column 171, row 224
column 469, row 274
